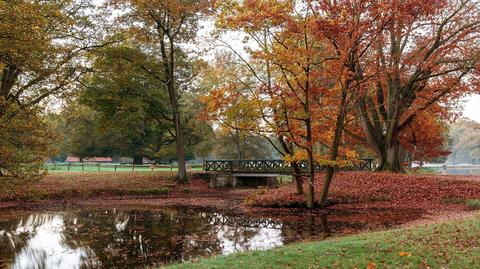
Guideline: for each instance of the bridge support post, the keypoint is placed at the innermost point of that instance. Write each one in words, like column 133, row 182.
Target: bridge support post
column 220, row 180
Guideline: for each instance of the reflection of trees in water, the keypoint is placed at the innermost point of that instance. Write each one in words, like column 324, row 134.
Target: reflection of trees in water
column 309, row 226
column 137, row 238
column 37, row 241
column 119, row 238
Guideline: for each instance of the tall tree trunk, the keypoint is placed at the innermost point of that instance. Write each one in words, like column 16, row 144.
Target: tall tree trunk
column 137, row 159
column 311, row 167
column 182, row 171
column 297, row 177
column 334, row 150
column 311, row 180
column 168, row 58
column 392, row 157
column 296, row 172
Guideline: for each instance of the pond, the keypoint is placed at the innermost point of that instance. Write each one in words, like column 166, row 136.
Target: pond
column 471, row 170
column 133, row 238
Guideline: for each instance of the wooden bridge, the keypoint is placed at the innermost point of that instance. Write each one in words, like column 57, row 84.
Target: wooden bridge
column 272, row 166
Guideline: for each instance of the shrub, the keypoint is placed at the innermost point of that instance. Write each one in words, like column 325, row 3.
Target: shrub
column 452, row 200
column 473, row 204
column 160, row 191
column 186, row 190
column 32, row 196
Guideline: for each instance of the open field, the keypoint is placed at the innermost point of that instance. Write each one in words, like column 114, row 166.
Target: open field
column 78, row 167
column 453, row 244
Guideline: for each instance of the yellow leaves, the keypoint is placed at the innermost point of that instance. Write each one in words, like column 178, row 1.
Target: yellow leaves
column 351, row 154
column 301, row 155
column 404, row 254
column 371, row 265
column 33, row 133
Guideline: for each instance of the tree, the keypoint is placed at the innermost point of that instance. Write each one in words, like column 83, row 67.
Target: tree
column 464, row 142
column 302, row 92
column 84, row 132
column 41, row 43
column 165, row 25
column 236, row 101
column 26, row 140
column 234, row 144
column 416, row 55
column 131, row 104
column 425, row 139
column 124, row 111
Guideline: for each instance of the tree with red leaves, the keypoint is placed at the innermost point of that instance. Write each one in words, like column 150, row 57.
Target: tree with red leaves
column 415, row 54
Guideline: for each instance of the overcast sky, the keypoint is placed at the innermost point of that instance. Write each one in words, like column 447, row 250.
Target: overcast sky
column 472, row 108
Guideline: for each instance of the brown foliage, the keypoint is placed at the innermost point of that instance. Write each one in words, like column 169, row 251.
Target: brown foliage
column 25, row 141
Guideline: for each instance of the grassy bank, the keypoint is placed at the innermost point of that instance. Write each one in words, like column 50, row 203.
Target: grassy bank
column 448, row 245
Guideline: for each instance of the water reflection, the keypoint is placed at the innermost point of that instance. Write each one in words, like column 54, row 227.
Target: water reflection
column 461, row 170
column 138, row 238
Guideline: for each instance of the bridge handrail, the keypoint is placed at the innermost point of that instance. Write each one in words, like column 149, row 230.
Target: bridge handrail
column 271, row 165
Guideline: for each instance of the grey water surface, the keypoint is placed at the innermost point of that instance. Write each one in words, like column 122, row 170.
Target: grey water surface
column 136, row 238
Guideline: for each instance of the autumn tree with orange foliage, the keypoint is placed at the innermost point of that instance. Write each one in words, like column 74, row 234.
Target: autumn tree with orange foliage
column 424, row 139
column 238, row 103
column 417, row 55
column 304, row 102
column 386, row 73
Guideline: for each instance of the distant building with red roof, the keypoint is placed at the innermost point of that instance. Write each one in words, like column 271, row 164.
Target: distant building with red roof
column 98, row 160
column 72, row 159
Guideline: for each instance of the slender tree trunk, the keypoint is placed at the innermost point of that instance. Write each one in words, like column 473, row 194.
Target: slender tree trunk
column 297, row 177
column 311, row 167
column 326, row 186
column 168, row 57
column 179, row 141
column 334, row 150
column 137, row 159
column 296, row 172
column 311, row 180
column 182, row 171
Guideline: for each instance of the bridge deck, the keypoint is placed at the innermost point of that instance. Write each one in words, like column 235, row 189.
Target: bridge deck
column 270, row 166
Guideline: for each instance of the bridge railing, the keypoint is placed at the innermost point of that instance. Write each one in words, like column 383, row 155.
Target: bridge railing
column 271, row 166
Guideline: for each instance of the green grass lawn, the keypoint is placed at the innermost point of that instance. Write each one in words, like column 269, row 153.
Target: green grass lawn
column 110, row 168
column 448, row 245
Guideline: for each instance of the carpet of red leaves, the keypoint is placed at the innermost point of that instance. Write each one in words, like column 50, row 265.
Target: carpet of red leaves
column 107, row 188
column 365, row 190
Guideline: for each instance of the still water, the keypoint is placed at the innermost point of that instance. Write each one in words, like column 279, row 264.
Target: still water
column 472, row 170
column 132, row 238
